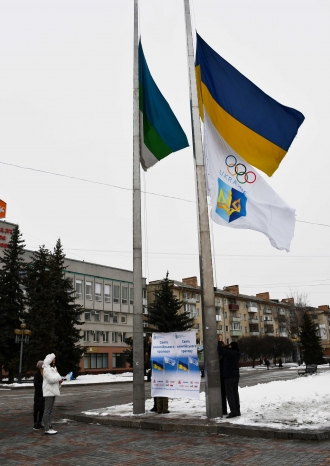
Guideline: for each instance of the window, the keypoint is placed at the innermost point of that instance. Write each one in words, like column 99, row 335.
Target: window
column 145, row 324
column 226, row 328
column 118, row 360
column 244, row 316
column 86, row 335
column 246, row 331
column 116, row 293
column 123, row 319
column 226, row 315
column 115, row 318
column 96, row 361
column 105, row 337
column 227, row 341
column 79, row 293
column 131, row 295
column 124, row 294
column 191, row 310
column 87, row 315
column 89, row 291
column 220, row 328
column 106, row 317
column 98, row 292
column 144, row 293
column 197, row 297
column 107, row 293
column 114, row 337
column 96, row 335
column 224, row 301
column 96, row 316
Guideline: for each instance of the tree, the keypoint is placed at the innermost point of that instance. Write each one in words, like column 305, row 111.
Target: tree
column 310, row 341
column 41, row 315
column 251, row 346
column 67, row 315
column 277, row 346
column 129, row 351
column 163, row 313
column 12, row 302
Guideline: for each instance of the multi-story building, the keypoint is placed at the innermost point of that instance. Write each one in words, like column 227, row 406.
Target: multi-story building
column 240, row 315
column 106, row 296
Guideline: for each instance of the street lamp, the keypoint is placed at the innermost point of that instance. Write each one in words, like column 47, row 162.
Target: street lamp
column 22, row 336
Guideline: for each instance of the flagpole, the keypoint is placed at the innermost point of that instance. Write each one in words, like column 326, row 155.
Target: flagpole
column 212, row 375
column 138, row 350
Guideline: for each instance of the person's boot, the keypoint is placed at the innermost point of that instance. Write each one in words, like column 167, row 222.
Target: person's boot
column 160, row 404
column 165, row 406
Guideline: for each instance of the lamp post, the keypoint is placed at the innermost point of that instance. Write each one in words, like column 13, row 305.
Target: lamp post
column 22, row 336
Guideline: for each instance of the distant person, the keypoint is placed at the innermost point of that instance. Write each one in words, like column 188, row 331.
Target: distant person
column 267, row 363
column 51, row 388
column 231, row 356
column 280, row 363
column 39, row 400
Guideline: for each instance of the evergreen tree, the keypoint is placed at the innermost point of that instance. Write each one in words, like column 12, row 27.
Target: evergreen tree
column 310, row 341
column 67, row 315
column 11, row 302
column 163, row 313
column 41, row 315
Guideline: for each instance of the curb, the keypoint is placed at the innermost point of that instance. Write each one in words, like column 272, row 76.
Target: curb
column 200, row 426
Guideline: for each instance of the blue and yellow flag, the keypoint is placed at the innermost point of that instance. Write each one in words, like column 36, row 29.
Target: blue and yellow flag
column 183, row 366
column 158, row 366
column 254, row 125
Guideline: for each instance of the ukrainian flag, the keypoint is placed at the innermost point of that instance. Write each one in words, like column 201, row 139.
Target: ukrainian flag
column 256, row 126
column 158, row 366
column 183, row 366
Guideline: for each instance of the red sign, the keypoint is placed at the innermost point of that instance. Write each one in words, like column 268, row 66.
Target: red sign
column 3, row 207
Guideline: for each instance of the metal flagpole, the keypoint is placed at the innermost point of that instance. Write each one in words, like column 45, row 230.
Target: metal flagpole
column 212, row 374
column 138, row 350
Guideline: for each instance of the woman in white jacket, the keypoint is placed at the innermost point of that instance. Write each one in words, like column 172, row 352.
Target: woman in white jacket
column 51, row 388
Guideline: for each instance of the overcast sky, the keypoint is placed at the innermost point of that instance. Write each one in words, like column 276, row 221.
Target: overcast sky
column 66, row 108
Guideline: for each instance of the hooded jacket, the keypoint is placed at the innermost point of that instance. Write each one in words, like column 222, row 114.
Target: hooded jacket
column 230, row 360
column 50, row 386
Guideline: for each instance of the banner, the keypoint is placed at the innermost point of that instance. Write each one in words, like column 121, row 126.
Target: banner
column 174, row 364
column 3, row 207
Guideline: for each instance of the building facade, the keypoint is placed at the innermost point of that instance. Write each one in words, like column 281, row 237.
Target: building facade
column 106, row 296
column 239, row 315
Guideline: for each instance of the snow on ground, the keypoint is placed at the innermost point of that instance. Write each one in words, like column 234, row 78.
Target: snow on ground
column 296, row 404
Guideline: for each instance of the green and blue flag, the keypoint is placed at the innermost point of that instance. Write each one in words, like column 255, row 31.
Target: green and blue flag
column 160, row 132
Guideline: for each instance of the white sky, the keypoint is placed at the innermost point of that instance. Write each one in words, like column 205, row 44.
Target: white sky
column 66, row 107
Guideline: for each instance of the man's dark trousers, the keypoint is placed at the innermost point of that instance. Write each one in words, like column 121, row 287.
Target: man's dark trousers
column 231, row 384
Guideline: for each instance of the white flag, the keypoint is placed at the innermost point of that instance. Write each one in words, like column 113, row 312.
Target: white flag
column 240, row 197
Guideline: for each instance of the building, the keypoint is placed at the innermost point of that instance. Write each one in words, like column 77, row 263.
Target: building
column 240, row 315
column 106, row 296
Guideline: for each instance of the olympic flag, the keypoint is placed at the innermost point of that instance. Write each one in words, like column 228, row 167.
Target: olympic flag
column 240, row 197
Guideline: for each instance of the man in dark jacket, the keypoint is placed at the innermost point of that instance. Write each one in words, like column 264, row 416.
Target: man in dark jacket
column 39, row 400
column 231, row 358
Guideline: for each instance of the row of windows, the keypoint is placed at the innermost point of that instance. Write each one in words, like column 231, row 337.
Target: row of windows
column 268, row 329
column 97, row 336
column 123, row 294
column 100, row 361
column 96, row 317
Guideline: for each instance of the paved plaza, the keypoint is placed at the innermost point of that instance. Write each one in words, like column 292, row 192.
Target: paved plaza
column 81, row 443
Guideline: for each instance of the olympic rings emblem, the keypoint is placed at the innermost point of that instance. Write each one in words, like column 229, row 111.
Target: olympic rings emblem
column 239, row 172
